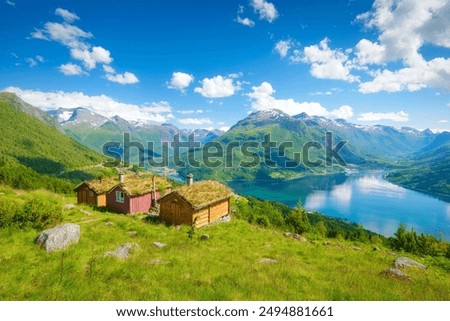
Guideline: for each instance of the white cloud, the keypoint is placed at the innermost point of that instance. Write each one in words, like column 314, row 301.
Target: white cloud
column 404, row 27
column 326, row 63
column 31, row 62
column 443, row 121
column 190, row 111
column 195, row 121
column 90, row 57
column 321, row 93
column 263, row 99
column 265, row 9
column 75, row 39
column 435, row 73
column 101, row 104
column 400, row 116
column 34, row 61
column 9, row 2
column 123, row 79
column 244, row 21
column 368, row 52
column 70, row 69
column 216, row 87
column 66, row 15
column 180, row 81
column 108, row 69
column 66, row 34
column 282, row 47
column 225, row 128
column 159, row 107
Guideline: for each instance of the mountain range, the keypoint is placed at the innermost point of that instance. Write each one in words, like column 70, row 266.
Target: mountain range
column 413, row 156
column 94, row 130
column 365, row 146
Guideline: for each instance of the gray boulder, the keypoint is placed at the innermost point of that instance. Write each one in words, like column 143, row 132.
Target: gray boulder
column 403, row 262
column 396, row 273
column 59, row 237
column 123, row 251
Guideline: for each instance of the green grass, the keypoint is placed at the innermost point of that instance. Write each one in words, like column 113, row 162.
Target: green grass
column 224, row 267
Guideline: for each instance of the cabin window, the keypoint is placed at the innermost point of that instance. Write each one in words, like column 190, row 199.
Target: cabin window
column 119, row 197
column 91, row 194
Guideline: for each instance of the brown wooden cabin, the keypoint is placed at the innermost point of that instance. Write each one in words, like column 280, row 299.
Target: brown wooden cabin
column 93, row 192
column 203, row 203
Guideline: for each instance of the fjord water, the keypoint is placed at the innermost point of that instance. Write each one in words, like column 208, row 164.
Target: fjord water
column 365, row 198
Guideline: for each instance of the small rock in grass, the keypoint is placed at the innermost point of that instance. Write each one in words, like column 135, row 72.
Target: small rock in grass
column 133, row 233
column 157, row 262
column 159, row 245
column 204, row 237
column 376, row 248
column 301, row 238
column 85, row 212
column 109, row 224
column 356, row 248
column 68, row 206
column 267, row 261
column 403, row 262
column 123, row 251
column 287, row 234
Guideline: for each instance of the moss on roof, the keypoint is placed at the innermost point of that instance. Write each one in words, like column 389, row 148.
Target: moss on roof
column 133, row 184
column 204, row 193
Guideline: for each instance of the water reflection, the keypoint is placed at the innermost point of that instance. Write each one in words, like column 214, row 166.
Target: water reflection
column 373, row 184
column 364, row 198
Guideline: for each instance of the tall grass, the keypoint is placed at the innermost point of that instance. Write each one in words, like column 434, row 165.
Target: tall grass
column 224, row 267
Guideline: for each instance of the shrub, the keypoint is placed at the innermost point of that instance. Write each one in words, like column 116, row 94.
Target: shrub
column 320, row 228
column 8, row 209
column 298, row 221
column 262, row 221
column 38, row 213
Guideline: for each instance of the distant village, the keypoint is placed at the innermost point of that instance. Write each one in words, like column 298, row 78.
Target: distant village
column 198, row 204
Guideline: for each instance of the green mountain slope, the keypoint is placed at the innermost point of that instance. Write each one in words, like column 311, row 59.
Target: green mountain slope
column 17, row 103
column 36, row 155
column 429, row 169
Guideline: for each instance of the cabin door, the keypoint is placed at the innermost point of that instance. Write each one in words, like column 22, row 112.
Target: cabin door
column 82, row 197
column 176, row 213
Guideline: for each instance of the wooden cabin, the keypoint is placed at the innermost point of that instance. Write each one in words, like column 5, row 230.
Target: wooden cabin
column 93, row 192
column 135, row 194
column 201, row 203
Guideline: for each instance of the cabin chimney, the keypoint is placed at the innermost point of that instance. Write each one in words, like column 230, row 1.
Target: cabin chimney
column 190, row 179
column 121, row 178
column 154, row 203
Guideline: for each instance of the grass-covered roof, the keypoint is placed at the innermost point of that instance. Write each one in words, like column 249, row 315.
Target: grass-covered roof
column 133, row 184
column 203, row 193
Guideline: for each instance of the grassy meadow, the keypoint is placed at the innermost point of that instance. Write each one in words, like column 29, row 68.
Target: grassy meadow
column 224, row 267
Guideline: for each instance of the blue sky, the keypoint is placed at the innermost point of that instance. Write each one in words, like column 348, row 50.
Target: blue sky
column 207, row 64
